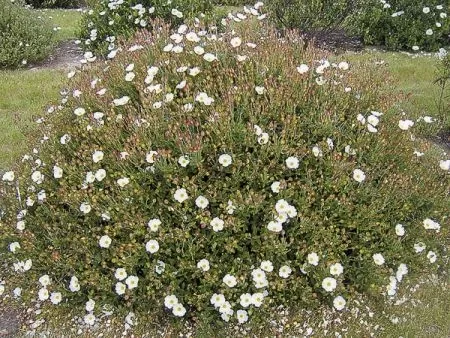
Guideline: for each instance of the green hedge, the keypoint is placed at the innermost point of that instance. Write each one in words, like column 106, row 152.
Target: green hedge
column 24, row 37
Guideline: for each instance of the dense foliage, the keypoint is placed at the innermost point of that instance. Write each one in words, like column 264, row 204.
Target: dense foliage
column 56, row 3
column 108, row 20
column 24, row 37
column 310, row 15
column 403, row 24
column 215, row 175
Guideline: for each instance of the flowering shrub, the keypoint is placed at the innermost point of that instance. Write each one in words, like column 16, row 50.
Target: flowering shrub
column 23, row 36
column 403, row 24
column 311, row 14
column 220, row 175
column 110, row 19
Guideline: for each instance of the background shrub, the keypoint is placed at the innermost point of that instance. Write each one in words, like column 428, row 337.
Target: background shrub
column 402, row 24
column 56, row 3
column 24, row 37
column 310, row 15
column 265, row 103
column 109, row 20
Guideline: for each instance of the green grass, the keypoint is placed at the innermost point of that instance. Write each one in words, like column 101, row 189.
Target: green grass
column 23, row 97
column 67, row 19
column 414, row 77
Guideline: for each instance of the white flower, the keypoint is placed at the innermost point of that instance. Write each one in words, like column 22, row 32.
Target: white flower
column 343, row 65
column 183, row 161
column 313, row 259
column 359, row 175
column 85, row 208
column 339, row 303
column 230, row 280
column 90, row 305
column 43, row 294
column 154, row 224
column 74, row 285
column 260, row 90
column 317, row 152
column 170, row 301
column 65, row 139
column 400, row 230
column 20, row 225
column 432, row 256
column 245, row 300
column 426, row 10
column 419, row 247
column 378, row 259
column 373, row 120
column 120, row 288
column 209, row 57
column 275, row 226
column 263, row 138
column 203, row 264
column 122, row 182
column 302, row 69
column 132, row 282
column 401, row 271
column 194, row 71
column 120, row 274
column 429, row 32
column 217, row 300
column 56, row 298
column 8, row 176
column 242, row 316
column 150, row 157
column 105, row 241
column 336, row 269
column 177, row 13
column 2, row 289
column 257, row 299
column 225, row 160
column 267, row 266
column 429, row 224
column 37, row 177
column 281, row 206
column 97, row 156
column 284, row 271
column 179, row 310
column 89, row 319
column 192, row 37
column 57, row 172
column 236, row 42
column 180, row 195
column 79, row 111
column 275, row 187
column 14, row 246
column 90, row 177
column 258, row 275
column 405, row 124
column 45, row 280
column 122, row 101
column 292, row 162
column 226, row 308
column 130, row 76
column 201, row 202
column 329, row 284
column 100, row 174
column 152, row 246
column 199, row 50
column 444, row 165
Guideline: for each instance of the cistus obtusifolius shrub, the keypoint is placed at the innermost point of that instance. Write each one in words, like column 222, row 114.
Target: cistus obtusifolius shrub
column 24, row 37
column 109, row 20
column 402, row 24
column 220, row 176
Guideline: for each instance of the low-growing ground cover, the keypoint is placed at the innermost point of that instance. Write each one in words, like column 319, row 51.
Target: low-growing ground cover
column 295, row 322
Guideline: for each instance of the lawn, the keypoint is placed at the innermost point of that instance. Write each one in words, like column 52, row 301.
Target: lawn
column 66, row 22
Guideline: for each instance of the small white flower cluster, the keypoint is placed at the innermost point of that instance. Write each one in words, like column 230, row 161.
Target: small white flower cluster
column 372, row 120
column 171, row 302
column 263, row 138
column 130, row 281
column 285, row 211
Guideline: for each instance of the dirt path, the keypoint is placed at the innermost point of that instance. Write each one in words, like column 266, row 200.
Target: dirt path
column 67, row 55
